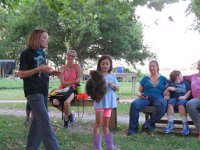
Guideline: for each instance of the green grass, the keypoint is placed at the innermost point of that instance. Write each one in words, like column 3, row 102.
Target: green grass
column 13, row 133
column 14, row 136
column 20, row 106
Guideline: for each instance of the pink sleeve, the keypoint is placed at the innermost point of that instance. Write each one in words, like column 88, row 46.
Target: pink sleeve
column 188, row 78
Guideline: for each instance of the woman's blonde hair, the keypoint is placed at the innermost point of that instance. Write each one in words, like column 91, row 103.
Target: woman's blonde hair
column 72, row 51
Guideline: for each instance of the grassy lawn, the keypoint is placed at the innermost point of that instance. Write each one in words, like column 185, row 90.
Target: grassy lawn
column 14, row 135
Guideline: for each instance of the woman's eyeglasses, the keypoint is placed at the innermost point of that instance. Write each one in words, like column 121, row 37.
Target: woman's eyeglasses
column 70, row 55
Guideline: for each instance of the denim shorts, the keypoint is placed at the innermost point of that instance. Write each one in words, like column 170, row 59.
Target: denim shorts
column 176, row 102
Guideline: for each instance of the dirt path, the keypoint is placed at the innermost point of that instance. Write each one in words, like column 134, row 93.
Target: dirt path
column 88, row 116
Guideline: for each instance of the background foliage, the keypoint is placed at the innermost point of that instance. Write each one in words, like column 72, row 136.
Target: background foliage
column 90, row 27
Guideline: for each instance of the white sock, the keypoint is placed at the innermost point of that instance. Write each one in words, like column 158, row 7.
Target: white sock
column 170, row 118
column 184, row 118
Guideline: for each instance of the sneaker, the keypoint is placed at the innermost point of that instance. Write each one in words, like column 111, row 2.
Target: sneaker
column 169, row 127
column 146, row 127
column 71, row 119
column 65, row 125
column 185, row 131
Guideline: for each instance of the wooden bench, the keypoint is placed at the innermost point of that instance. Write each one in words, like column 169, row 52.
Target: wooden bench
column 163, row 122
column 90, row 103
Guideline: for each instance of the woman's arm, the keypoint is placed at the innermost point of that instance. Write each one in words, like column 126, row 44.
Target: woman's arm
column 140, row 93
column 78, row 74
column 187, row 78
column 27, row 73
column 166, row 92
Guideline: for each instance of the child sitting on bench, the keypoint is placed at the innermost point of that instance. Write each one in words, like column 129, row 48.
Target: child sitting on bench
column 179, row 91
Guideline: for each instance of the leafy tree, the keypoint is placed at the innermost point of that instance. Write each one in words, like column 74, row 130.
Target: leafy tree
column 194, row 7
column 18, row 25
column 90, row 27
column 102, row 27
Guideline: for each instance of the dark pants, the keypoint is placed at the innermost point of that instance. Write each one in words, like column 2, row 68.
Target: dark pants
column 28, row 108
column 40, row 129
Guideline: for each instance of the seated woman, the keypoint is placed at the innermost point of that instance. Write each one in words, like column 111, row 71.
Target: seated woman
column 150, row 93
column 193, row 105
column 70, row 78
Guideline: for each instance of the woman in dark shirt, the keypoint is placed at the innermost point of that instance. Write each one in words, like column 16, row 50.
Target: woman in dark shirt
column 35, row 74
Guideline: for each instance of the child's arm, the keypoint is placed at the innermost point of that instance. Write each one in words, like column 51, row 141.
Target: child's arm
column 166, row 93
column 186, row 96
column 113, row 86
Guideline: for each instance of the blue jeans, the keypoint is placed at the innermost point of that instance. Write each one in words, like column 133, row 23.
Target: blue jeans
column 40, row 129
column 137, row 105
column 193, row 108
column 175, row 102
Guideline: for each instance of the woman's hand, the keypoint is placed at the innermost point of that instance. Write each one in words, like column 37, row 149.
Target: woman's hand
column 61, row 78
column 56, row 73
column 141, row 95
column 45, row 68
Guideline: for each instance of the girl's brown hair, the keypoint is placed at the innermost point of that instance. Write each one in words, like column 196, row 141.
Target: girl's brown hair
column 102, row 58
column 34, row 39
column 173, row 75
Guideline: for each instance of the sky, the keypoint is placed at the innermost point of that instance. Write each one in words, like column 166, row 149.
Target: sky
column 175, row 45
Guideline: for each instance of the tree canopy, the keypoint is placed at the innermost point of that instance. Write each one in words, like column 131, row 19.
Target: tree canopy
column 194, row 7
column 91, row 27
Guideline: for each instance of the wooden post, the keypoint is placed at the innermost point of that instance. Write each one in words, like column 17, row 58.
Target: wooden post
column 133, row 84
column 0, row 71
column 113, row 119
column 3, row 73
